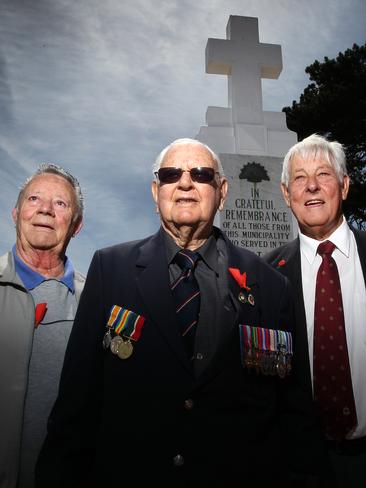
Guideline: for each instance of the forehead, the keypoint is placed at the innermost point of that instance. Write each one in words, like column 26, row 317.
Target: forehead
column 312, row 161
column 190, row 155
column 48, row 182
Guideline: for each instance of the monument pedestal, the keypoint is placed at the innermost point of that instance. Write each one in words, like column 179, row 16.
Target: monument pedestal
column 255, row 215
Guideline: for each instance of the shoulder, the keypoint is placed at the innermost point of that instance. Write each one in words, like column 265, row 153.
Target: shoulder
column 124, row 255
column 251, row 263
column 79, row 277
column 7, row 267
column 5, row 261
column 272, row 257
column 282, row 254
column 360, row 236
column 124, row 248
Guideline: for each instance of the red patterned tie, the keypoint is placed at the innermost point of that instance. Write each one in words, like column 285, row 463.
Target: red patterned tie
column 332, row 377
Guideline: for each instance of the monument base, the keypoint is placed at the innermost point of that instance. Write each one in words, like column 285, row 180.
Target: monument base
column 255, row 215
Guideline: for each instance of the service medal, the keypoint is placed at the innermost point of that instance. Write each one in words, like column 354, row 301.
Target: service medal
column 281, row 369
column 115, row 343
column 265, row 363
column 107, row 339
column 242, row 298
column 125, row 349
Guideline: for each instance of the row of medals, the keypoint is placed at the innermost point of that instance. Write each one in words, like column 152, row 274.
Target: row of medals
column 118, row 345
column 269, row 362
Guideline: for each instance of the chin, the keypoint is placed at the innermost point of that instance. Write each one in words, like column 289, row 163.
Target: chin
column 187, row 223
column 43, row 246
column 186, row 218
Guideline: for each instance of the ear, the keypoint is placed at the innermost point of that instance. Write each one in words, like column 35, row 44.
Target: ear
column 154, row 190
column 77, row 227
column 223, row 192
column 14, row 214
column 345, row 187
column 286, row 194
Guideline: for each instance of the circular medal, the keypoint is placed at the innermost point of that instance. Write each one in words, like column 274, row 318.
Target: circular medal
column 265, row 364
column 115, row 343
column 125, row 349
column 242, row 298
column 251, row 299
column 107, row 339
column 281, row 369
column 288, row 363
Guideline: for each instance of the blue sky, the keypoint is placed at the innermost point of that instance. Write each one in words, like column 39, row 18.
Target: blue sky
column 101, row 87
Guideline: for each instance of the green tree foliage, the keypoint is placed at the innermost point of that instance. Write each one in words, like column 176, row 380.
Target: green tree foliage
column 334, row 105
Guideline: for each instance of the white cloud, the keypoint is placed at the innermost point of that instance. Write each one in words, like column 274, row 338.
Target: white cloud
column 102, row 87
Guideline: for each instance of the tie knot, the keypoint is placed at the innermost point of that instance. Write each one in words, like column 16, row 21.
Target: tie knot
column 186, row 259
column 326, row 247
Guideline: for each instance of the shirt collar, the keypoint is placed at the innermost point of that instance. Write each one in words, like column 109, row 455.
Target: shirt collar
column 341, row 238
column 208, row 251
column 31, row 279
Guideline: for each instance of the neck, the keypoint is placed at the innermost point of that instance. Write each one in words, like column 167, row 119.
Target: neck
column 321, row 233
column 188, row 237
column 44, row 262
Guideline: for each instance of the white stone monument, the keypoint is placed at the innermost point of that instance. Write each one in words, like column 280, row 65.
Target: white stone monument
column 251, row 142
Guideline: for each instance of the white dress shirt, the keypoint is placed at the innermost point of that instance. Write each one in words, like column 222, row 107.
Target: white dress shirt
column 354, row 306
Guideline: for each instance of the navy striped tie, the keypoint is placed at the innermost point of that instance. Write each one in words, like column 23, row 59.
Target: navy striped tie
column 187, row 296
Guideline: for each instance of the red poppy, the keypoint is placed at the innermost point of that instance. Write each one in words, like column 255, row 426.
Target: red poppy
column 241, row 279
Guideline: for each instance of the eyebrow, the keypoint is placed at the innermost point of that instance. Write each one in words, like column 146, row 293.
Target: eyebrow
column 323, row 166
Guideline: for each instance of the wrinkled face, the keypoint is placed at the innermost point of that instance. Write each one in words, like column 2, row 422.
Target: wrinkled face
column 187, row 202
column 315, row 195
column 44, row 220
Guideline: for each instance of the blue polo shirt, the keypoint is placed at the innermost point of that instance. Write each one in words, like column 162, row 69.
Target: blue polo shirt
column 31, row 279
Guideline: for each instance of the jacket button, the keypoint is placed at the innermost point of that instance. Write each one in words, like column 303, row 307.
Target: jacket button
column 178, row 460
column 189, row 404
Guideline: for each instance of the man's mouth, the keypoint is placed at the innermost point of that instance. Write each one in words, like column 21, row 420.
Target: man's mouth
column 314, row 203
column 43, row 226
column 183, row 201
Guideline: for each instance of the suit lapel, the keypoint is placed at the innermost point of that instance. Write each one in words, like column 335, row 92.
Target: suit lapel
column 234, row 311
column 290, row 260
column 361, row 247
column 153, row 284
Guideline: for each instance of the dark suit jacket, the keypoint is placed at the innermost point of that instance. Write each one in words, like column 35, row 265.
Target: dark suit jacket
column 290, row 254
column 124, row 421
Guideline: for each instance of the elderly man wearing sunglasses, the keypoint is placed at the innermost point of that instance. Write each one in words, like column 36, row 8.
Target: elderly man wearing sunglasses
column 161, row 383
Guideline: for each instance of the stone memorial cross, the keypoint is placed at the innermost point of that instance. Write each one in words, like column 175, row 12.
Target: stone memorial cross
column 247, row 60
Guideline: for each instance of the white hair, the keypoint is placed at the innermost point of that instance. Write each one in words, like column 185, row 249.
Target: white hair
column 183, row 141
column 50, row 168
column 313, row 146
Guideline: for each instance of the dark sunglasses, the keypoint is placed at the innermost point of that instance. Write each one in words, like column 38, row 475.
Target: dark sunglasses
column 201, row 174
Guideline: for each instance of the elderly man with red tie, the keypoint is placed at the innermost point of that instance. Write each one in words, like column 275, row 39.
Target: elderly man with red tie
column 326, row 265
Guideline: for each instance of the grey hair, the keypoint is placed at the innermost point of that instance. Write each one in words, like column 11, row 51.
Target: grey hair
column 54, row 169
column 183, row 141
column 316, row 145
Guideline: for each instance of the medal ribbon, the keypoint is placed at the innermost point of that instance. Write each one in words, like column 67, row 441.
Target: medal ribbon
column 265, row 339
column 126, row 321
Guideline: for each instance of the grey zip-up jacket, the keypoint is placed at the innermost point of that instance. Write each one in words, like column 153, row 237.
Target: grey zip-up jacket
column 17, row 317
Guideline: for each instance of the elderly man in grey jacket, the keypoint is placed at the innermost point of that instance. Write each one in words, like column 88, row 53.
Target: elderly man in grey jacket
column 39, row 293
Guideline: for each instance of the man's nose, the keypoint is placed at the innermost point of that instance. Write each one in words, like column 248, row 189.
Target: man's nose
column 185, row 180
column 312, row 183
column 46, row 207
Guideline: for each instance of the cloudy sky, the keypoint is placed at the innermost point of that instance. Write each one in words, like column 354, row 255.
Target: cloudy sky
column 100, row 87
